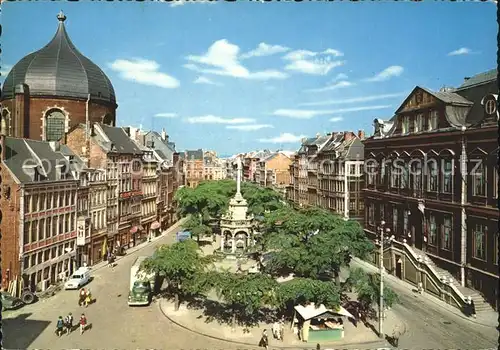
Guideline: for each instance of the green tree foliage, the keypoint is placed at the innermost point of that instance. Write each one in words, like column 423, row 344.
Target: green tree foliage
column 211, row 198
column 197, row 228
column 367, row 287
column 304, row 291
column 182, row 267
column 312, row 242
column 244, row 294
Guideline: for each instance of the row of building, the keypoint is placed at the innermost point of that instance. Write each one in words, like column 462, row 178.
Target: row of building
column 200, row 165
column 429, row 175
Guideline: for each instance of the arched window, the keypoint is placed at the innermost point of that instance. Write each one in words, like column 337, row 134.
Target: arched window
column 5, row 123
column 108, row 120
column 55, row 123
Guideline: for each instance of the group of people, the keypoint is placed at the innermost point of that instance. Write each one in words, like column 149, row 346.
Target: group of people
column 66, row 324
column 84, row 297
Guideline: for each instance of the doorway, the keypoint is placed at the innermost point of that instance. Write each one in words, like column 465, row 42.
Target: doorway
column 399, row 267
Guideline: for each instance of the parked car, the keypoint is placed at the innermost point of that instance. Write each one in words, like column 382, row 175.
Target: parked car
column 9, row 302
column 79, row 278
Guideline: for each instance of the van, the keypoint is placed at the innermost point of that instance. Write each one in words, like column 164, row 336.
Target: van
column 79, row 278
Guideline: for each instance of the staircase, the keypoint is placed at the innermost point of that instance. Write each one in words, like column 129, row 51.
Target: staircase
column 482, row 307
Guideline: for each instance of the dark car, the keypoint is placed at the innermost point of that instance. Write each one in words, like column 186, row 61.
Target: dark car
column 9, row 302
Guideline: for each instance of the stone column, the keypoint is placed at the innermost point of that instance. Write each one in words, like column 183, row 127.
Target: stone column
column 222, row 242
column 233, row 245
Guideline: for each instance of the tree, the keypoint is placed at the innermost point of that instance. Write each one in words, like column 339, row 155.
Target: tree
column 261, row 200
column 302, row 291
column 182, row 267
column 207, row 200
column 244, row 294
column 367, row 287
column 197, row 228
column 312, row 242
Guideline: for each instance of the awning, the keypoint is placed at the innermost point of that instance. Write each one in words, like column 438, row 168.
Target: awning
column 155, row 225
column 311, row 311
column 134, row 229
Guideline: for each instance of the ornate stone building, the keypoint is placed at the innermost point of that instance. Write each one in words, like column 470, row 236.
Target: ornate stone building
column 53, row 89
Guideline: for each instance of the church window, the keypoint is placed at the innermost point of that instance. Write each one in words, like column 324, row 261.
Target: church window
column 55, row 125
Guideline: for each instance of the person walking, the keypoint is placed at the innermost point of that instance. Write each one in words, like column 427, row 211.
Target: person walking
column 472, row 307
column 264, row 341
column 81, row 296
column 88, row 298
column 69, row 323
column 60, row 326
column 83, row 323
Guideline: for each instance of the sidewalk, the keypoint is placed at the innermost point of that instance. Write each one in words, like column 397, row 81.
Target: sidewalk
column 488, row 320
column 129, row 251
column 196, row 321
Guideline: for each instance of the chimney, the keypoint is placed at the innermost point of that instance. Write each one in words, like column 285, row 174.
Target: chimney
column 127, row 130
column 361, row 134
column 348, row 135
column 163, row 134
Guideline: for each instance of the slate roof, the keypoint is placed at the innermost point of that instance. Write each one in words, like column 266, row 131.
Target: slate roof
column 121, row 142
column 480, row 78
column 22, row 156
column 194, row 155
column 448, row 97
column 59, row 69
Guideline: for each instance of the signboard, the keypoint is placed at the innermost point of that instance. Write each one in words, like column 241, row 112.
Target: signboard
column 80, row 232
column 183, row 235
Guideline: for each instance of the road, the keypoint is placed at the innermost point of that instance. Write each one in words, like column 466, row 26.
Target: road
column 431, row 327
column 115, row 325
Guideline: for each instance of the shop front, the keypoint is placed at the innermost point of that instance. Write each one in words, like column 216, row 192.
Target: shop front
column 98, row 250
column 155, row 229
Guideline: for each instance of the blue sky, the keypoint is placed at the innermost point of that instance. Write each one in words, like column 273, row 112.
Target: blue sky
column 235, row 77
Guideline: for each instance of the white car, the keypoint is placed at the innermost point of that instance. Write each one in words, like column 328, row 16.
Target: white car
column 79, row 278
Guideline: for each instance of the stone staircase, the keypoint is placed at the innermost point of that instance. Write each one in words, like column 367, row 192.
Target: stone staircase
column 482, row 307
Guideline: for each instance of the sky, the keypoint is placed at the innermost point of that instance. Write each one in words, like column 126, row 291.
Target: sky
column 240, row 76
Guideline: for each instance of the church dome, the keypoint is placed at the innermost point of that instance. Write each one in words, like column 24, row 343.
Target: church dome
column 59, row 70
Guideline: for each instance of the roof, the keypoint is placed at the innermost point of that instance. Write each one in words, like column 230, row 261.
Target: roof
column 23, row 155
column 194, row 155
column 121, row 142
column 448, row 97
column 311, row 311
column 479, row 79
column 59, row 69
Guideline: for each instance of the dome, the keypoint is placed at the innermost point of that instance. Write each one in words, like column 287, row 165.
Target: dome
column 59, row 69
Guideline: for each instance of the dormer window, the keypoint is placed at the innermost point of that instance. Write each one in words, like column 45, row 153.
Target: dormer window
column 433, row 121
column 419, row 123
column 405, row 125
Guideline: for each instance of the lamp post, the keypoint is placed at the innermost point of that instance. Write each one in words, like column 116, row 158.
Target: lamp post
column 381, row 292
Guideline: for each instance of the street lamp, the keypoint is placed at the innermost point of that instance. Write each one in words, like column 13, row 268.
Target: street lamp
column 381, row 300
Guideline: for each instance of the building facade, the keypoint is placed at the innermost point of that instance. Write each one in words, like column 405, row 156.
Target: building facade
column 274, row 170
column 432, row 176
column 194, row 167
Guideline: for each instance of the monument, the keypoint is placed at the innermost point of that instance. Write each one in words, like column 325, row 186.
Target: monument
column 237, row 224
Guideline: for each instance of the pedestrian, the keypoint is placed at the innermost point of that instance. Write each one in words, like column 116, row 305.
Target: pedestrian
column 396, row 333
column 69, row 323
column 60, row 326
column 264, row 341
column 88, row 298
column 318, row 347
column 472, row 307
column 83, row 323
column 81, row 296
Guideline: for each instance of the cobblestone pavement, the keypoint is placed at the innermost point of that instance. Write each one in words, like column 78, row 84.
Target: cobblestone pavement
column 115, row 325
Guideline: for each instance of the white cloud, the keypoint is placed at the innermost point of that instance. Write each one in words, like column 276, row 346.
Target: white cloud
column 176, row 3
column 5, row 70
column 386, row 74
column 284, row 138
column 221, row 58
column 144, row 72
column 334, row 86
column 310, row 62
column 250, row 127
column 205, row 80
column 460, row 51
column 353, row 100
column 308, row 114
column 336, row 119
column 166, row 115
column 212, row 119
column 264, row 50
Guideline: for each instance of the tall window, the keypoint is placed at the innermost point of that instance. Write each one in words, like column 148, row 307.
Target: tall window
column 405, row 221
column 382, row 212
column 54, row 125
column 416, row 172
column 371, row 210
column 395, row 177
column 447, row 176
column 446, row 238
column 479, row 180
column 405, row 125
column 433, row 120
column 419, row 123
column 395, row 220
column 432, row 230
column 405, row 176
column 479, row 242
column 432, row 177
